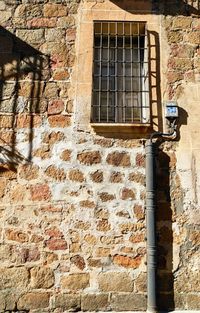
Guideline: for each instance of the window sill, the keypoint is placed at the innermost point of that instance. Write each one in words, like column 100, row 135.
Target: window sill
column 122, row 130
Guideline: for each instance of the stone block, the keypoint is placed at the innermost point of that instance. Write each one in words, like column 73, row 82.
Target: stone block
column 126, row 261
column 128, row 302
column 69, row 302
column 41, row 277
column 31, row 35
column 76, row 281
column 118, row 159
column 33, row 300
column 97, row 177
column 89, row 157
column 193, row 301
column 28, row 171
column 40, row 192
column 53, row 9
column 14, row 277
column 7, row 301
column 59, row 121
column 76, row 176
column 182, row 22
column 94, row 302
column 55, row 173
column 115, row 282
column 127, row 194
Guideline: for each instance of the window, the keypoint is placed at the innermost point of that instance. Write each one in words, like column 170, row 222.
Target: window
column 120, row 73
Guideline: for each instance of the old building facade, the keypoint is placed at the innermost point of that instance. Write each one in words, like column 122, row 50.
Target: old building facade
column 72, row 211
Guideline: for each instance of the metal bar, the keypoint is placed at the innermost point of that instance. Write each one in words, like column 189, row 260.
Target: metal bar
column 151, row 226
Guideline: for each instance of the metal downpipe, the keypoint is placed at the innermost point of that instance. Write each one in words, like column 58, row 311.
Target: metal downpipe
column 151, row 226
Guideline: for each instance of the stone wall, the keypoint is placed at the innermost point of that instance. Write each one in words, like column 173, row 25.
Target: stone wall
column 72, row 210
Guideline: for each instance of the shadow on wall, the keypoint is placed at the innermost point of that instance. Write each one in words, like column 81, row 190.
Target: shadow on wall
column 166, row 7
column 164, row 214
column 23, row 71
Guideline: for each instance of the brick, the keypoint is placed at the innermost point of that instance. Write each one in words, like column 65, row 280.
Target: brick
column 127, row 194
column 55, row 173
column 75, row 281
column 126, row 261
column 41, row 277
column 76, row 175
column 28, row 171
column 33, row 300
column 59, row 121
column 89, row 157
column 128, row 302
column 97, row 176
column 40, row 192
column 115, row 282
column 78, row 261
column 94, row 302
column 118, row 159
column 14, row 277
column 55, row 107
column 71, row 302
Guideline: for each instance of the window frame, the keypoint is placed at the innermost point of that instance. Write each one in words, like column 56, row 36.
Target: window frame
column 144, row 105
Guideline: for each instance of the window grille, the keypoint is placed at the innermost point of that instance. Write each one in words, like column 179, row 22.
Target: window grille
column 120, row 73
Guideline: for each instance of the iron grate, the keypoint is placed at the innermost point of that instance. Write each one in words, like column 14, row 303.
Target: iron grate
column 120, row 73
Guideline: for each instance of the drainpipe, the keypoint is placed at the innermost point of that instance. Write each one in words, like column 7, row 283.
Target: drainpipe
column 150, row 150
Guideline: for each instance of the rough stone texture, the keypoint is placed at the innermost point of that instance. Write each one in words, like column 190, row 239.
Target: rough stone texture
column 75, row 281
column 14, row 276
column 128, row 302
column 72, row 212
column 115, row 281
column 33, row 300
column 95, row 302
column 67, row 302
column 41, row 277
